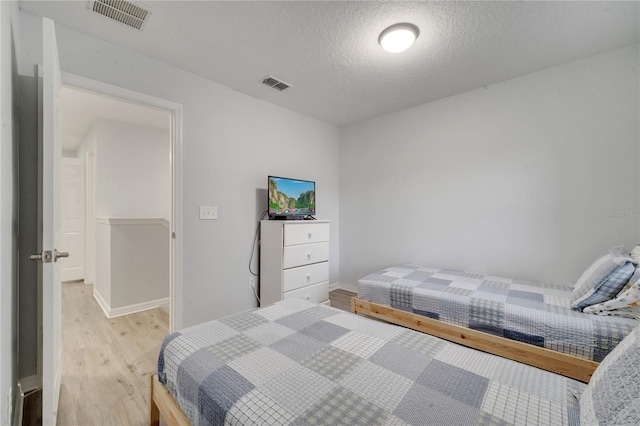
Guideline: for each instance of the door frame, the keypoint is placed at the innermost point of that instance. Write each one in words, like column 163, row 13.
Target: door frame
column 176, row 247
column 90, row 211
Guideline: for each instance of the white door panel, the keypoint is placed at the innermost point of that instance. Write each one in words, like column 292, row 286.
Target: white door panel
column 73, row 219
column 51, row 230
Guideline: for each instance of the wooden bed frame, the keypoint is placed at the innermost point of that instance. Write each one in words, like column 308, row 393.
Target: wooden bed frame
column 162, row 403
column 556, row 362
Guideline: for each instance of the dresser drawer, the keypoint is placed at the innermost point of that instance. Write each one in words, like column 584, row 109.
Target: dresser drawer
column 316, row 293
column 304, row 275
column 304, row 254
column 305, row 233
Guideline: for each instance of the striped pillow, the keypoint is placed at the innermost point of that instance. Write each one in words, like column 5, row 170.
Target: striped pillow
column 604, row 278
column 625, row 304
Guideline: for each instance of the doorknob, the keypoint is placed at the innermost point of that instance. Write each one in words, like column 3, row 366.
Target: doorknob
column 45, row 257
column 48, row 256
column 58, row 254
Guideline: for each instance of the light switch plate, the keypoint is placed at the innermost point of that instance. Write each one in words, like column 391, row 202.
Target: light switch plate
column 208, row 212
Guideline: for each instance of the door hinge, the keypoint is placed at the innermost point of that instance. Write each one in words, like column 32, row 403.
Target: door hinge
column 173, row 235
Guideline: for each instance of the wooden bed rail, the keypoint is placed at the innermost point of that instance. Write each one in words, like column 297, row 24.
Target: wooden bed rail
column 162, row 403
column 546, row 359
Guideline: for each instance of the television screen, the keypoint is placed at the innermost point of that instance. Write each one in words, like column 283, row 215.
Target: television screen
column 291, row 197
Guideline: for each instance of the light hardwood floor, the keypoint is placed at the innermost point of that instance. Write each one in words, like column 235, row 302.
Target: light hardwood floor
column 106, row 362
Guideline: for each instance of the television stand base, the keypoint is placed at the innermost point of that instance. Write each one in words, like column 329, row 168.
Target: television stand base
column 286, row 217
column 291, row 217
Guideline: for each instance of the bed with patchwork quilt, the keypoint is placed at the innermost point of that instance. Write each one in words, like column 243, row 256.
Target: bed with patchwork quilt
column 300, row 363
column 527, row 321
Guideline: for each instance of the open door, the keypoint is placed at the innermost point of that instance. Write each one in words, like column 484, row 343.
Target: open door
column 50, row 224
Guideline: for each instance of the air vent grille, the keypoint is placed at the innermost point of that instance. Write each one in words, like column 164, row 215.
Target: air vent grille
column 275, row 83
column 128, row 13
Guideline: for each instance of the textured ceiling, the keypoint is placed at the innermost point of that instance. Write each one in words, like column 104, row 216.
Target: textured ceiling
column 80, row 109
column 328, row 51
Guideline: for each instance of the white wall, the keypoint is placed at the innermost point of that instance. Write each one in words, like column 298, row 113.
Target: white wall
column 89, row 141
column 133, row 176
column 140, row 263
column 132, row 273
column 232, row 142
column 513, row 179
column 8, row 207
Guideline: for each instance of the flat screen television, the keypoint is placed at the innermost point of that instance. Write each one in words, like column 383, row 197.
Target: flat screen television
column 291, row 198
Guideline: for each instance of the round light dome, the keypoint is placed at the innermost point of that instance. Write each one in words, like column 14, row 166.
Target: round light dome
column 398, row 37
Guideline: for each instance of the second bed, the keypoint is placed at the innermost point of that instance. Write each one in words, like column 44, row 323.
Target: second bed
column 526, row 321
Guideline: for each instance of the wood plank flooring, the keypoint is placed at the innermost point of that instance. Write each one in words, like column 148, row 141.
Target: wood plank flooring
column 106, row 362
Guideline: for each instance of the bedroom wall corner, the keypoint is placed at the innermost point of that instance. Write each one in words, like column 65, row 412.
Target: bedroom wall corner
column 529, row 178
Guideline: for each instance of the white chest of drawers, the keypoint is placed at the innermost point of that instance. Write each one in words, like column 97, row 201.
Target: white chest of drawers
column 294, row 260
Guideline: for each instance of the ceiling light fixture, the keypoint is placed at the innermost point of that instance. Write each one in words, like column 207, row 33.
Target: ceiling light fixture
column 398, row 37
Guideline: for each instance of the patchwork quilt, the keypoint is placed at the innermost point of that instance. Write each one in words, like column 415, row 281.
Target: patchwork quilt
column 299, row 363
column 535, row 313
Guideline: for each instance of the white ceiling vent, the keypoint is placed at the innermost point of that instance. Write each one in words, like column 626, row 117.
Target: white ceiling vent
column 126, row 12
column 275, row 83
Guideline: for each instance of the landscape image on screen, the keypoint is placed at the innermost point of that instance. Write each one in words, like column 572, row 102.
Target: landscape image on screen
column 291, row 197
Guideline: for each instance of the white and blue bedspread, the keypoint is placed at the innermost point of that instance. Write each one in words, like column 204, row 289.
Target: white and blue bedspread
column 535, row 313
column 300, row 363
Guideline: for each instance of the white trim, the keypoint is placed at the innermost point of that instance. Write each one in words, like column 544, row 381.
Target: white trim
column 176, row 252
column 103, row 304
column 133, row 221
column 129, row 309
column 176, row 288
column 90, row 204
column 39, row 319
column 138, row 307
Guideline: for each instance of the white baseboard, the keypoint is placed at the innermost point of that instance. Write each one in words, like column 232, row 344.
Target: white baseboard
column 103, row 304
column 344, row 286
column 130, row 309
column 138, row 307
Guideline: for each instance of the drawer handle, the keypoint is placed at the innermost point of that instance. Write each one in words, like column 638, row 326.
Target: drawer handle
column 309, row 255
column 308, row 277
column 308, row 297
column 310, row 234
